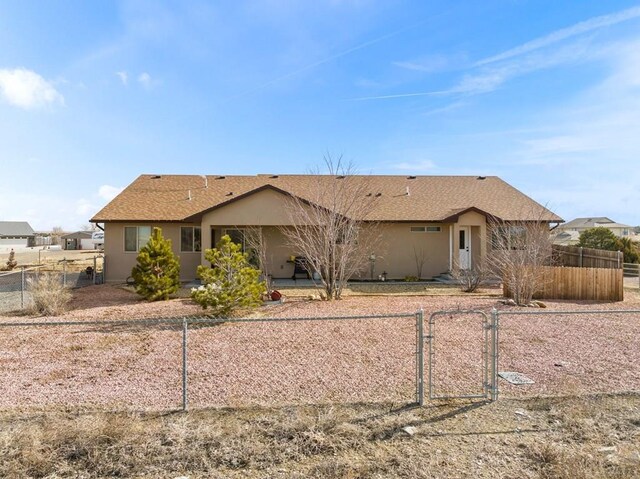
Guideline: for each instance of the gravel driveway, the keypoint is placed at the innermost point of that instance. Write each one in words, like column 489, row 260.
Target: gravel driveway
column 305, row 362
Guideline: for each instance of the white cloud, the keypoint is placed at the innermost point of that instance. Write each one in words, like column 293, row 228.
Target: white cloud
column 108, row 192
column 421, row 165
column 26, row 89
column 565, row 33
column 84, row 207
column 124, row 78
column 144, row 79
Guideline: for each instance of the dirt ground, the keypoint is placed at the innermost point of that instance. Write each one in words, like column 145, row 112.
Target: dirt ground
column 322, row 399
column 302, row 362
column 560, row 438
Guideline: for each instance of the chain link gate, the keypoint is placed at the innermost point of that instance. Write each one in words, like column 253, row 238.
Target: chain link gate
column 463, row 332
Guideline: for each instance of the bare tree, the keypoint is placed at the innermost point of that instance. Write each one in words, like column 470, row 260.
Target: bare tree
column 420, row 256
column 56, row 235
column 472, row 278
column 329, row 226
column 519, row 253
column 257, row 244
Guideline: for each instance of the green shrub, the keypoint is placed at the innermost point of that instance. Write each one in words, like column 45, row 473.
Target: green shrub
column 157, row 273
column 230, row 283
column 411, row 279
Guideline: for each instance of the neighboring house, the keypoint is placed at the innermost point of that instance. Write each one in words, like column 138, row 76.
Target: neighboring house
column 15, row 235
column 569, row 233
column 77, row 241
column 445, row 218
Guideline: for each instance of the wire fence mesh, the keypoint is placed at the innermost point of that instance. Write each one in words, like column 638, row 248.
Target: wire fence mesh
column 151, row 364
column 15, row 292
column 459, row 350
column 569, row 352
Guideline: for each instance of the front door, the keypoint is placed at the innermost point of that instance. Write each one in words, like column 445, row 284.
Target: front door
column 464, row 245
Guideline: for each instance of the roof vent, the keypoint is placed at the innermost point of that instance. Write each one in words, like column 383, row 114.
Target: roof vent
column 206, row 181
column 273, row 176
column 340, row 177
column 369, row 194
column 407, row 192
column 220, row 177
column 378, row 195
column 411, row 177
column 482, row 178
column 229, row 194
column 156, row 177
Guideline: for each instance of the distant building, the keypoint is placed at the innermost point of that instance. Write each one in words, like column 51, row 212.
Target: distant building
column 77, row 240
column 569, row 233
column 15, row 235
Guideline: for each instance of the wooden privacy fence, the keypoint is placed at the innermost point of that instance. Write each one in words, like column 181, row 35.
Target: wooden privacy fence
column 598, row 284
column 587, row 257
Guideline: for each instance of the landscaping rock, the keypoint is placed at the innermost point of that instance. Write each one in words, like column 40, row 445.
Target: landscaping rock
column 410, row 430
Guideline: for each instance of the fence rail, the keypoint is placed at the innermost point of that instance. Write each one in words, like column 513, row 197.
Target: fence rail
column 594, row 284
column 576, row 256
column 197, row 359
column 14, row 285
column 631, row 275
column 199, row 362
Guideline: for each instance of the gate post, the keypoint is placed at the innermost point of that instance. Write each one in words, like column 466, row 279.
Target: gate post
column 420, row 357
column 495, row 320
column 22, row 286
column 184, row 363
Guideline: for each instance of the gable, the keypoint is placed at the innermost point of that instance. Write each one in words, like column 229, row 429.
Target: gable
column 265, row 207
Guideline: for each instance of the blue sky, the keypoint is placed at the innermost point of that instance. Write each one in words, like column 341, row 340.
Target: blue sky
column 544, row 94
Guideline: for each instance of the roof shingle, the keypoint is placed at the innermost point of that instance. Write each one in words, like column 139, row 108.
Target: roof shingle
column 432, row 198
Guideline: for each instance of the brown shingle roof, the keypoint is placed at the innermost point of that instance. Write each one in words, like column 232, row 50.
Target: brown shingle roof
column 432, row 198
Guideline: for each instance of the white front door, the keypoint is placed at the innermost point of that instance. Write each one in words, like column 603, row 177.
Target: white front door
column 464, row 246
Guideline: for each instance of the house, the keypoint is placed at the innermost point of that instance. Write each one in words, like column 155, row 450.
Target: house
column 569, row 233
column 443, row 217
column 77, row 241
column 15, row 235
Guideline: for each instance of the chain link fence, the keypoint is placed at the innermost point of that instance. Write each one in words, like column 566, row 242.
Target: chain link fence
column 14, row 285
column 165, row 364
column 529, row 353
column 568, row 352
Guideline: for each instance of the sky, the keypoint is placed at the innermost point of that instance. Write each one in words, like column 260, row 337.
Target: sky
column 544, row 94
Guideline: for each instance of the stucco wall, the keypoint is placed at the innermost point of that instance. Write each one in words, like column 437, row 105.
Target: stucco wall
column 119, row 263
column 397, row 255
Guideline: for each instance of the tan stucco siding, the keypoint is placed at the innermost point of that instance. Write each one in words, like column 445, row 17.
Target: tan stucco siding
column 265, row 208
column 400, row 245
column 119, row 262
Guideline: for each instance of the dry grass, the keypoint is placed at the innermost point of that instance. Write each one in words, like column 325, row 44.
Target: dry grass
column 49, row 297
column 550, row 438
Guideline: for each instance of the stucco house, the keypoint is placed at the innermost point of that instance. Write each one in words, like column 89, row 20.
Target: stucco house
column 15, row 235
column 569, row 233
column 445, row 216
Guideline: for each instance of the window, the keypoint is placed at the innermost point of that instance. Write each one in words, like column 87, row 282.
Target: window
column 509, row 237
column 190, row 239
column 135, row 237
column 425, row 229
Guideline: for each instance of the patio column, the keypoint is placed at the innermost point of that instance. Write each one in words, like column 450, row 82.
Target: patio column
column 450, row 247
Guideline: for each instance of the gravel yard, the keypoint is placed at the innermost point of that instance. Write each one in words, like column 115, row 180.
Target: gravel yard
column 306, row 362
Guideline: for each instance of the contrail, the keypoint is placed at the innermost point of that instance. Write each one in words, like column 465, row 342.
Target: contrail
column 400, row 95
column 328, row 59
column 564, row 33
